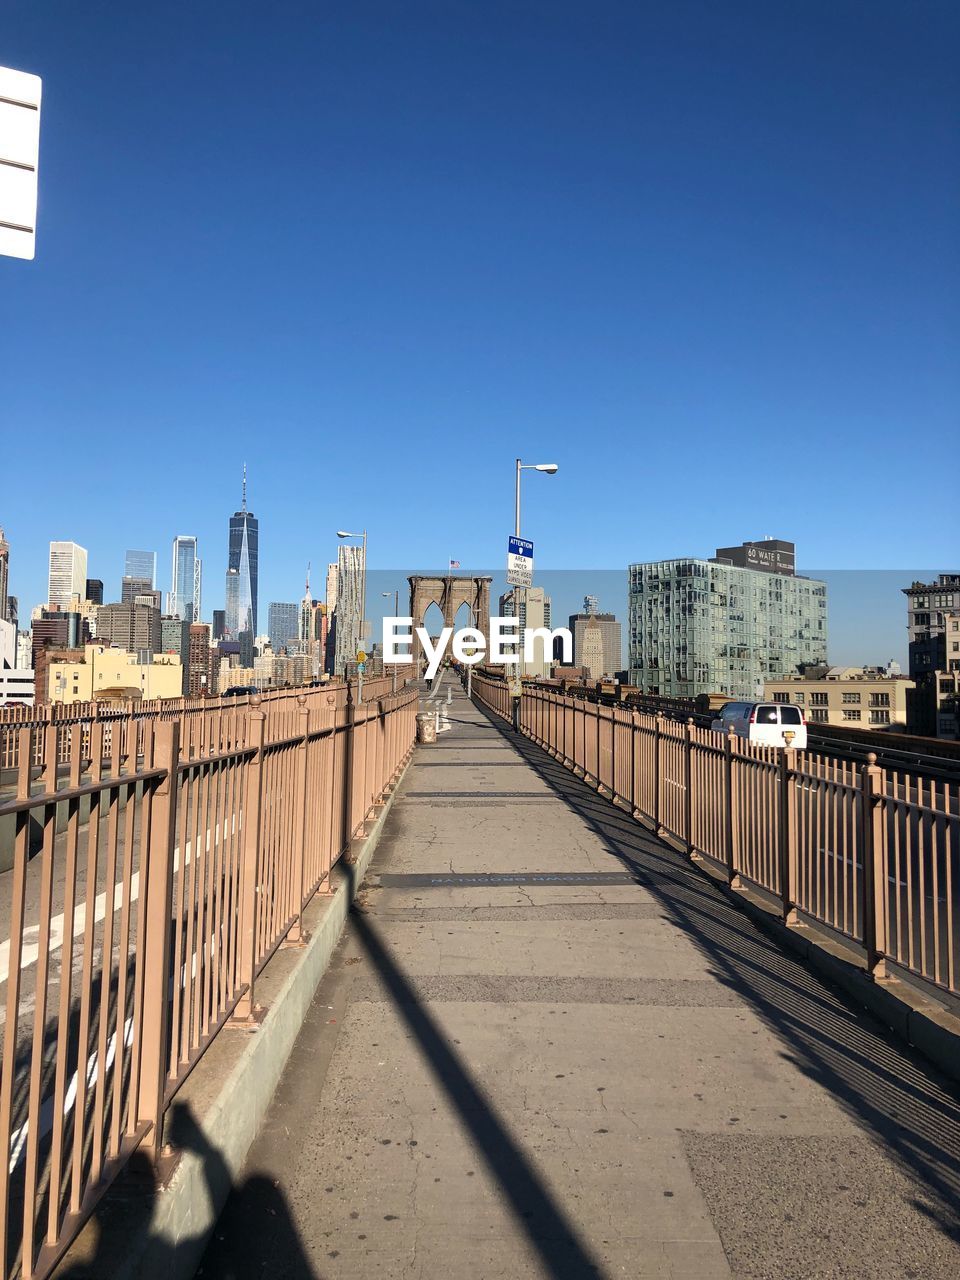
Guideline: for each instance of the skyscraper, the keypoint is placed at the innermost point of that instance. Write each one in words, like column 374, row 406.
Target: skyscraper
column 131, row 588
column 4, row 574
column 134, row 627
column 241, row 584
column 142, row 565
column 185, row 579
column 68, row 573
column 533, row 610
column 332, row 574
column 281, row 624
column 596, row 639
column 349, row 606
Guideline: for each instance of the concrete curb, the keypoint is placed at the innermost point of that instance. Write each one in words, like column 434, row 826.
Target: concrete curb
column 229, row 1112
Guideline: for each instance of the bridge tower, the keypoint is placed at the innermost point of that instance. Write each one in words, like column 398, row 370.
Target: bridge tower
column 448, row 592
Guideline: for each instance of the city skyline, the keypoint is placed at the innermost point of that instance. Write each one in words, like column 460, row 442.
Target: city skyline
column 855, row 595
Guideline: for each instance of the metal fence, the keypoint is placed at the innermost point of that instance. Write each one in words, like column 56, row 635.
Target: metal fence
column 202, row 720
column 870, row 853
column 139, row 930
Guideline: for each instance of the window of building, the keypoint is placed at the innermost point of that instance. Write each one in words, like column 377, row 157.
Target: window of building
column 851, row 715
column 799, row 697
column 879, row 717
column 852, row 697
column 879, row 699
column 781, row 697
column 818, row 699
column 819, row 715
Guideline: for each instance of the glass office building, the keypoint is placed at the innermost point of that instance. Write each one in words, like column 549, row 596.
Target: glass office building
column 242, row 571
column 283, row 624
column 141, row 565
column 185, row 579
column 712, row 626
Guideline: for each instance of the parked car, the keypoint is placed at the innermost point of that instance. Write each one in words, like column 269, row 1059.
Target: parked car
column 239, row 690
column 766, row 722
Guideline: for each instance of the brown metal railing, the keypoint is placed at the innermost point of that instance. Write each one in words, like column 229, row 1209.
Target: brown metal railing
column 138, row 926
column 869, row 853
column 202, row 720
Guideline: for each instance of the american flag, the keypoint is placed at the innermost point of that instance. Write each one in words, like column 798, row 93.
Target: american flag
column 454, row 564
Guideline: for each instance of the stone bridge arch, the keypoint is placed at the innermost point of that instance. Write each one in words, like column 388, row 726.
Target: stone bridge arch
column 449, row 591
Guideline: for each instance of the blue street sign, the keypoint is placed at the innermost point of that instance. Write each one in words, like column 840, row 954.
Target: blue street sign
column 520, row 547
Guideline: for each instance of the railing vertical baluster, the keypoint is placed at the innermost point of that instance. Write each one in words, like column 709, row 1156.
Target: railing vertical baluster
column 300, row 821
column 688, row 787
column 874, row 870
column 729, row 844
column 788, row 835
column 634, row 731
column 157, row 931
column 250, row 864
column 657, row 770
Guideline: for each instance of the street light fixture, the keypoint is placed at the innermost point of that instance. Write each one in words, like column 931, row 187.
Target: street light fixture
column 396, row 614
column 550, row 469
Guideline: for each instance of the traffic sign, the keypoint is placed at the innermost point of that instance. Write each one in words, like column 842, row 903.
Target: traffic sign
column 520, row 562
column 19, row 156
column 361, row 656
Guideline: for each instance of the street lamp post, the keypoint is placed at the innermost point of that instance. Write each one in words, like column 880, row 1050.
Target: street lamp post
column 342, row 533
column 550, row 469
column 396, row 613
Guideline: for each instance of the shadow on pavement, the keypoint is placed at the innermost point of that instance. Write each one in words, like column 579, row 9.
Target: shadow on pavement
column 887, row 1087
column 128, row 1211
column 562, row 1252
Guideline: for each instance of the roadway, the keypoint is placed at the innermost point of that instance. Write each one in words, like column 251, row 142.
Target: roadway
column 548, row 1046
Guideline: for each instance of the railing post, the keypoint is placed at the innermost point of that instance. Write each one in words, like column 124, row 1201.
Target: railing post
column 688, row 786
column 729, row 844
column 657, row 770
column 874, row 871
column 250, row 866
column 634, row 728
column 296, row 934
column 788, row 836
column 157, row 911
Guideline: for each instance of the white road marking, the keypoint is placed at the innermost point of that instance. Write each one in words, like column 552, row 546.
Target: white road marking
column 18, row 1139
column 31, row 950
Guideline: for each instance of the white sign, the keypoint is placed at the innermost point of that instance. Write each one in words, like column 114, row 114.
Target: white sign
column 470, row 644
column 19, row 157
column 520, row 562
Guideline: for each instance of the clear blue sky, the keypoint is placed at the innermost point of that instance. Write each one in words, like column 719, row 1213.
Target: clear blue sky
column 705, row 256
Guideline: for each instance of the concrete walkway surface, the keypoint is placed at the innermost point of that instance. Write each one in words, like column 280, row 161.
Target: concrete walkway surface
column 549, row 1047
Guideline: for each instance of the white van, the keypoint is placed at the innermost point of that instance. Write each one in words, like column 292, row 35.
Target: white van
column 766, row 722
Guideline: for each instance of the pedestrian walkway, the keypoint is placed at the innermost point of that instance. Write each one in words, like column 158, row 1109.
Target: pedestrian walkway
column 549, row 1047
